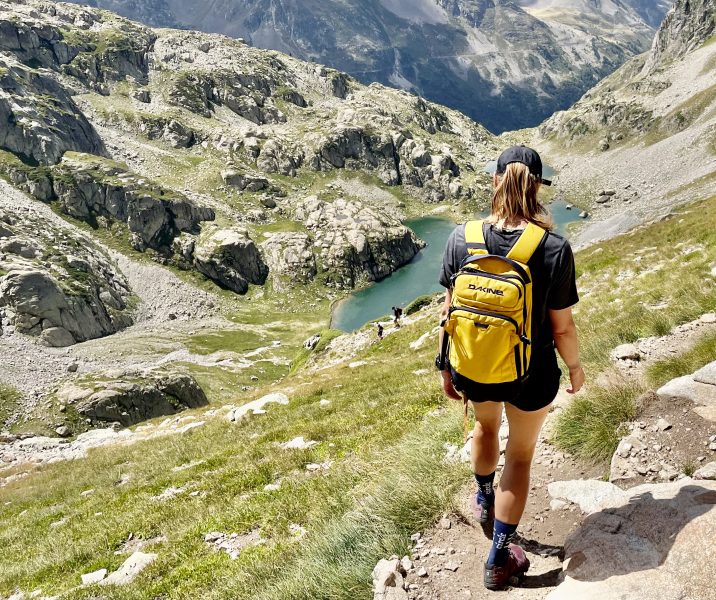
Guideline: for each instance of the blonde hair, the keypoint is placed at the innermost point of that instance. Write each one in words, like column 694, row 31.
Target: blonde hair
column 515, row 198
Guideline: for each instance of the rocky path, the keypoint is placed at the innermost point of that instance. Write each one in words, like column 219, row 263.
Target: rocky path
column 574, row 517
column 633, row 359
column 447, row 561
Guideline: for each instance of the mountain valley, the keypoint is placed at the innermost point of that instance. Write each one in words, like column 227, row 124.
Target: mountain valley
column 181, row 212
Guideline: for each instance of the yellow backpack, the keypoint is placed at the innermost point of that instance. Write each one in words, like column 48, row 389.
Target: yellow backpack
column 489, row 324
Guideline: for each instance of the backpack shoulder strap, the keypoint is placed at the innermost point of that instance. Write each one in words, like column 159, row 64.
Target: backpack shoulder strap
column 527, row 243
column 475, row 238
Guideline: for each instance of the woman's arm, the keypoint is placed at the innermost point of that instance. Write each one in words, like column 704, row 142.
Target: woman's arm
column 448, row 388
column 565, row 338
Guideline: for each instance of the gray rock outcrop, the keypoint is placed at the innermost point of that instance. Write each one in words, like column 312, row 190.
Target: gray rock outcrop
column 244, row 181
column 56, row 284
column 89, row 189
column 40, row 119
column 356, row 148
column 131, row 397
column 280, row 156
column 290, row 258
column 355, row 243
column 35, row 43
column 640, row 540
column 230, row 258
column 41, row 307
column 686, row 26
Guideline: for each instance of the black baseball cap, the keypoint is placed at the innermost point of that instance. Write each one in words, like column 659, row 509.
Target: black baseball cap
column 521, row 154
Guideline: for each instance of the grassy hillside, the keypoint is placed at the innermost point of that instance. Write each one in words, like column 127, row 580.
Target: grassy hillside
column 638, row 285
column 385, row 460
column 377, row 473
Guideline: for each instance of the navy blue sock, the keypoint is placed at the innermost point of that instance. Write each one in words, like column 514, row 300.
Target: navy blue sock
column 485, row 489
column 500, row 540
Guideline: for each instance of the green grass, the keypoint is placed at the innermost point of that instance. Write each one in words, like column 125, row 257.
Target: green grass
column 9, row 398
column 590, row 426
column 626, row 297
column 327, row 336
column 417, row 304
column 689, row 468
column 382, row 485
column 645, row 282
column 233, row 340
column 703, row 352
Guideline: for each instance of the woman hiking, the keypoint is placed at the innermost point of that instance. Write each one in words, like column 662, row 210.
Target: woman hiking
column 547, row 277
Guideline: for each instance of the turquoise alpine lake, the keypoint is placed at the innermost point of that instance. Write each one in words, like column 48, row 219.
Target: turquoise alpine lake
column 420, row 275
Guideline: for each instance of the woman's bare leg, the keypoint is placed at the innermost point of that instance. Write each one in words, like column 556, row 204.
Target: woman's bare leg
column 485, row 450
column 515, row 479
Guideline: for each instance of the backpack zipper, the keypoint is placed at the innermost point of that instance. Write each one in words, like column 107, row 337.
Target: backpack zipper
column 486, row 314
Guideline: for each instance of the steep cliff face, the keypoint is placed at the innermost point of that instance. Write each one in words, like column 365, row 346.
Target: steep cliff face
column 505, row 64
column 687, row 25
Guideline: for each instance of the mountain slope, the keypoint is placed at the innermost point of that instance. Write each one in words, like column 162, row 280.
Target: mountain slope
column 506, row 65
column 258, row 179
column 646, row 131
column 228, row 132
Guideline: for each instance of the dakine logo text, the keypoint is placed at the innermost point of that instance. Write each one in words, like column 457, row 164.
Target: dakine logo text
column 486, row 290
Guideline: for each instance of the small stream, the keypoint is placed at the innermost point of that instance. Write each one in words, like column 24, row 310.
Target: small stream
column 420, row 275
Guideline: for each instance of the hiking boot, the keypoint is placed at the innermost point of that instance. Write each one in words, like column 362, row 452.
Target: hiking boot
column 484, row 515
column 498, row 578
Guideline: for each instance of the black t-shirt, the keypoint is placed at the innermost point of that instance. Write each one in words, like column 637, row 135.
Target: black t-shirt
column 552, row 266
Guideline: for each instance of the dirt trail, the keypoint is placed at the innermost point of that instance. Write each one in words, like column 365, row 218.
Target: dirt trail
column 448, row 562
column 542, row 534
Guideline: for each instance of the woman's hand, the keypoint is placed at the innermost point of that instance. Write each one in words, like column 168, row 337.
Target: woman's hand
column 576, row 378
column 448, row 388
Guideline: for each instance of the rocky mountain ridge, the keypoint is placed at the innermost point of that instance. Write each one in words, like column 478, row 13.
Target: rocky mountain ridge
column 505, row 64
column 117, row 99
column 646, row 131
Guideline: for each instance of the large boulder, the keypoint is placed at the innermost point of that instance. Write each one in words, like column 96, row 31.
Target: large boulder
column 40, row 306
column 699, row 388
column 230, row 258
column 651, row 537
column 244, row 181
column 356, row 243
column 290, row 258
column 131, row 397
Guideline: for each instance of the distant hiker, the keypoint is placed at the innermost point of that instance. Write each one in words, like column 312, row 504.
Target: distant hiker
column 510, row 288
column 397, row 313
column 380, row 331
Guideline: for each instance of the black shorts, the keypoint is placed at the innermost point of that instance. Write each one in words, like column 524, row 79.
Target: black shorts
column 537, row 391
